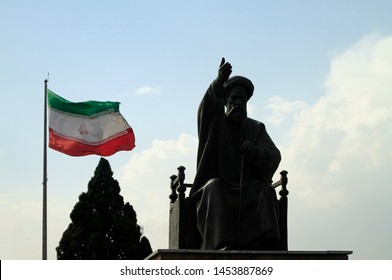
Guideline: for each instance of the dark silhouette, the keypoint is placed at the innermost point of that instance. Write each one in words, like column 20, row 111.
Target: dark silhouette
column 235, row 203
column 102, row 226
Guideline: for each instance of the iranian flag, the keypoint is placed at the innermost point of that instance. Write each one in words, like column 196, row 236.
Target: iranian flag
column 85, row 128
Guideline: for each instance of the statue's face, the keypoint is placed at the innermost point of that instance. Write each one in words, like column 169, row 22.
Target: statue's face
column 236, row 103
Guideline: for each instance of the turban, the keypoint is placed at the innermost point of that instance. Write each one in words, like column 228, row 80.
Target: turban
column 239, row 81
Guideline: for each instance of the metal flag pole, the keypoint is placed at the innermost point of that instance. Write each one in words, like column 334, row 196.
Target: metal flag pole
column 45, row 178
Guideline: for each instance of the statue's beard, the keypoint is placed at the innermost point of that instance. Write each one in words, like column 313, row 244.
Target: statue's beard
column 236, row 113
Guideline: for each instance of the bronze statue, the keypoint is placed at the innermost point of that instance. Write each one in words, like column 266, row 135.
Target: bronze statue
column 235, row 203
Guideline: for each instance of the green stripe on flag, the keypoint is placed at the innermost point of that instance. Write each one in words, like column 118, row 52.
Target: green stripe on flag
column 88, row 108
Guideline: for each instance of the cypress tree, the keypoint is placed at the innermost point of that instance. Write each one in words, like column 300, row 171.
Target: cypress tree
column 102, row 226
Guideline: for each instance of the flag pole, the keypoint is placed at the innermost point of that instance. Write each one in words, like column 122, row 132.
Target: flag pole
column 45, row 178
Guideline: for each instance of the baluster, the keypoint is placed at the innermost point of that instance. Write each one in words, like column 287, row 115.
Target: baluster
column 284, row 192
column 173, row 196
column 181, row 178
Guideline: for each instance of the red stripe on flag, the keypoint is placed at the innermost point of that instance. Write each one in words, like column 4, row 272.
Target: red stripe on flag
column 124, row 142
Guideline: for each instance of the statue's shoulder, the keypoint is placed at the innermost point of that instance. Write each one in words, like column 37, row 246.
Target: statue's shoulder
column 255, row 123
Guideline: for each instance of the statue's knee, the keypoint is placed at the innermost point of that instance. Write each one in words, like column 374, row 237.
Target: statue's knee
column 212, row 182
column 212, row 185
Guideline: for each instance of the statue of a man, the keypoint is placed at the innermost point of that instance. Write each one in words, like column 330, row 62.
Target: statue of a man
column 235, row 203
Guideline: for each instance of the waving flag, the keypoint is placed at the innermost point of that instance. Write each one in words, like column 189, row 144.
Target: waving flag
column 85, row 128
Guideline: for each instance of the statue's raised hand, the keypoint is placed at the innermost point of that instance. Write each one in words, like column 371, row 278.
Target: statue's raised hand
column 224, row 72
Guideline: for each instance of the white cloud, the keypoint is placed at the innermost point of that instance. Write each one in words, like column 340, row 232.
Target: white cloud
column 339, row 152
column 147, row 90
column 140, row 91
column 23, row 228
column 250, row 108
column 145, row 183
column 21, row 216
column 281, row 107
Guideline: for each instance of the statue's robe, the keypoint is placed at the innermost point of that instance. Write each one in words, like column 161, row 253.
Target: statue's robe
column 216, row 189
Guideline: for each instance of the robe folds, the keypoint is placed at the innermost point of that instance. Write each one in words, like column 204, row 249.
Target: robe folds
column 222, row 168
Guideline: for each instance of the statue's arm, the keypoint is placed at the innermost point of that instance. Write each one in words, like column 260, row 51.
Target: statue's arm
column 213, row 101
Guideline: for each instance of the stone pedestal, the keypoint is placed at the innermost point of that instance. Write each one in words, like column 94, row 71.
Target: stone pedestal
column 185, row 254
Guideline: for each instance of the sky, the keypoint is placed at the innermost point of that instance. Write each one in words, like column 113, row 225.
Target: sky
column 322, row 72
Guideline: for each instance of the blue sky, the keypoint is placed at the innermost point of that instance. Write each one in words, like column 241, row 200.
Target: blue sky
column 321, row 71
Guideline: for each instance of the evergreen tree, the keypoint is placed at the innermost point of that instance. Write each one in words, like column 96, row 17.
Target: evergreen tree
column 102, row 226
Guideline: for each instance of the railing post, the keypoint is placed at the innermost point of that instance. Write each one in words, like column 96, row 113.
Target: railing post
column 173, row 196
column 181, row 178
column 284, row 192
